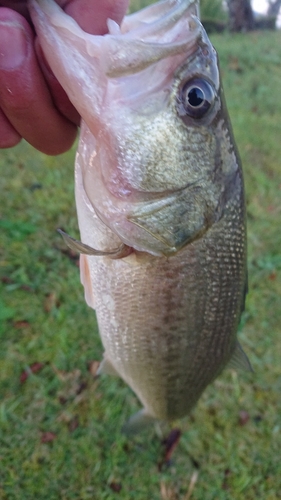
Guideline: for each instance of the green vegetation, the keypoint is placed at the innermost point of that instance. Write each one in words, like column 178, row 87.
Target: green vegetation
column 59, row 426
column 138, row 4
column 210, row 10
column 213, row 9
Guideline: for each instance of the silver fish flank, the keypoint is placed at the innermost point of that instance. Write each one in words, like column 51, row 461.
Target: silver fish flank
column 160, row 199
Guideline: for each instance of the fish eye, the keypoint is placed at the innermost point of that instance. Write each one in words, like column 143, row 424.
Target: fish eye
column 197, row 97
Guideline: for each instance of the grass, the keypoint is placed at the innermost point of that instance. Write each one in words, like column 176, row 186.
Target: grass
column 59, row 426
column 209, row 9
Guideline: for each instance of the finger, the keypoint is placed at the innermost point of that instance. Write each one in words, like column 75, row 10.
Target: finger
column 9, row 137
column 24, row 95
column 59, row 95
column 19, row 6
column 92, row 16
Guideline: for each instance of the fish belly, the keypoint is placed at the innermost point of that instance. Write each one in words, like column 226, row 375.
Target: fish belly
column 168, row 324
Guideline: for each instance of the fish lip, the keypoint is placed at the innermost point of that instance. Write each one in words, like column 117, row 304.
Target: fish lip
column 182, row 41
column 179, row 26
column 143, row 26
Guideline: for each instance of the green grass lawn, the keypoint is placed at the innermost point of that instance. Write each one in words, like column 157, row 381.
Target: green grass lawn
column 59, row 426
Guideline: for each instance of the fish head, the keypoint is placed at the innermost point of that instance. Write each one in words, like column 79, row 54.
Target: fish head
column 156, row 152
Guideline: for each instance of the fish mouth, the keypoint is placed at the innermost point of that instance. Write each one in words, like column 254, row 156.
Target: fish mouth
column 166, row 33
column 175, row 23
column 134, row 45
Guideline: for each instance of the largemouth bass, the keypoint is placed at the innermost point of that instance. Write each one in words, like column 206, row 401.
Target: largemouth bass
column 160, row 199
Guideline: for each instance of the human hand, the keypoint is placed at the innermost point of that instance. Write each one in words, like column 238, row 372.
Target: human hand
column 33, row 105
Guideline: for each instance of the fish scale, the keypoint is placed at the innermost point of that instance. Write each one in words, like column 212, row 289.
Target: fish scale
column 188, row 360
column 160, row 200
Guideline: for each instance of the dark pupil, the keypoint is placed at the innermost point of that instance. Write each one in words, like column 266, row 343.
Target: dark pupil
column 195, row 97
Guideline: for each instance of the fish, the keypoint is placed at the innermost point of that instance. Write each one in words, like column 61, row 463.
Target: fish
column 160, row 200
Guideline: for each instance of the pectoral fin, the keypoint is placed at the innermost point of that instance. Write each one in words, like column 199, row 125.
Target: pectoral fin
column 239, row 360
column 107, row 368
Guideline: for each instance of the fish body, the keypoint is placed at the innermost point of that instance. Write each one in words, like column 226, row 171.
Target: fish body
column 159, row 192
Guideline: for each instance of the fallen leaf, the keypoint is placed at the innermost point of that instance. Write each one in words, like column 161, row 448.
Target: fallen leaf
column 272, row 276
column 93, row 367
column 64, row 376
column 6, row 280
column 27, row 288
column 73, row 385
column 21, row 324
column 243, row 417
column 116, row 487
column 73, row 424
column 234, row 65
column 50, row 302
column 167, row 492
column 270, row 208
column 81, row 388
column 48, row 437
column 225, row 484
column 34, row 186
column 34, row 368
column 73, row 256
column 170, row 444
column 193, row 481
column 257, row 419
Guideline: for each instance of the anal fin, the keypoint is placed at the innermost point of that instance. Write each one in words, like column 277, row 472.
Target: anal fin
column 85, row 278
column 240, row 360
column 138, row 422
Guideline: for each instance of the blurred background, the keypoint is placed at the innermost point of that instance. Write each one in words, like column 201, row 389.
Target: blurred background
column 237, row 15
